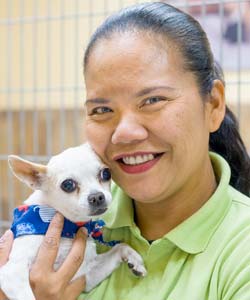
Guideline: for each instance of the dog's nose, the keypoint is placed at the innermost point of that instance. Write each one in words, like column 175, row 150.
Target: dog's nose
column 96, row 199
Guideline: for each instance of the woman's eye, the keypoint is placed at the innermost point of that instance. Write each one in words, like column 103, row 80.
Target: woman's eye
column 69, row 185
column 100, row 110
column 153, row 100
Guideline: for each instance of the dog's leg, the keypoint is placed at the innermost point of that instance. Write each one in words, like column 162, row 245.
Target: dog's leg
column 109, row 261
column 14, row 275
column 14, row 282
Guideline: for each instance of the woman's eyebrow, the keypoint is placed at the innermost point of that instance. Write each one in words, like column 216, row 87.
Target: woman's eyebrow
column 141, row 93
column 148, row 90
column 97, row 101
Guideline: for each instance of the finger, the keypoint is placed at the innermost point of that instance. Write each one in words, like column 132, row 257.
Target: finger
column 48, row 250
column 75, row 257
column 75, row 288
column 6, row 242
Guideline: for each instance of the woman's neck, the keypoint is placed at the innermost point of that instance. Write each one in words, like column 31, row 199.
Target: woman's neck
column 158, row 218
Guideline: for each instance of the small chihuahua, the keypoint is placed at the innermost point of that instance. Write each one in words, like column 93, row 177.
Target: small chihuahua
column 77, row 184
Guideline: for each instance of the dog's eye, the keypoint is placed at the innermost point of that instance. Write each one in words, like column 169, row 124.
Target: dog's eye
column 69, row 185
column 105, row 174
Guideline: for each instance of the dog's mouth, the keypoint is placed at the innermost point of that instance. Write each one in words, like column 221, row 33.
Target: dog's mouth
column 98, row 211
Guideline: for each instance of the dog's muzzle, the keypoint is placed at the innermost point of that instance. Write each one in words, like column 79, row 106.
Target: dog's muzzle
column 97, row 203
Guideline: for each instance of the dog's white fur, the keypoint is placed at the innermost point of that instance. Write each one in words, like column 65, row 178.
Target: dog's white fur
column 83, row 165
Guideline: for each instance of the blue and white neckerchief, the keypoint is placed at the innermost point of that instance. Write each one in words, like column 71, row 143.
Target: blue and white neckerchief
column 35, row 220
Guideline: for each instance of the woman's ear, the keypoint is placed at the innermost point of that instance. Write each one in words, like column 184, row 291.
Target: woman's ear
column 216, row 106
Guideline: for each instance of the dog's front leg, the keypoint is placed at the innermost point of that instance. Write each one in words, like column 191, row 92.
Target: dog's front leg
column 14, row 275
column 111, row 260
column 14, row 281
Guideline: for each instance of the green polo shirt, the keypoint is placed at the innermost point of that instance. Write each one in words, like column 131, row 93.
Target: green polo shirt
column 206, row 257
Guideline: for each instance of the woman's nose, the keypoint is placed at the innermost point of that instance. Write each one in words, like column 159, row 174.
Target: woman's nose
column 129, row 130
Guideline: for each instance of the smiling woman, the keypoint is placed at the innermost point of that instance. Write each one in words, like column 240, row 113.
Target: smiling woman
column 155, row 108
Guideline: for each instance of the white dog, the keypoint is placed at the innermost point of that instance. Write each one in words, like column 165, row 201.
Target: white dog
column 77, row 184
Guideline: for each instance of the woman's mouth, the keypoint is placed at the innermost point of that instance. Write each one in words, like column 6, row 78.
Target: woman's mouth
column 138, row 162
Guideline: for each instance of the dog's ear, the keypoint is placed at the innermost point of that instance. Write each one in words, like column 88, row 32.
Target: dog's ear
column 32, row 174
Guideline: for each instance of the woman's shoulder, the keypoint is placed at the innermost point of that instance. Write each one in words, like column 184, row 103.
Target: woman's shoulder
column 234, row 230
column 239, row 212
column 239, row 199
column 232, row 241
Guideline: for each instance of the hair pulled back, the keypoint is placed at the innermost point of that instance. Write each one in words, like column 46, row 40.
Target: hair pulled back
column 167, row 21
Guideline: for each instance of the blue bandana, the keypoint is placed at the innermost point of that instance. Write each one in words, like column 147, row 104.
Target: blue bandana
column 35, row 219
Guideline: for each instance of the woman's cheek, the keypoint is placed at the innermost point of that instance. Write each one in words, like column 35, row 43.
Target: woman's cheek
column 92, row 135
column 97, row 138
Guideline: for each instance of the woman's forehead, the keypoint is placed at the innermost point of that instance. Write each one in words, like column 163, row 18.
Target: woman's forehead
column 131, row 55
column 142, row 46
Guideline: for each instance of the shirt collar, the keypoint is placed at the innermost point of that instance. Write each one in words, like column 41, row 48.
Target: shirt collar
column 193, row 234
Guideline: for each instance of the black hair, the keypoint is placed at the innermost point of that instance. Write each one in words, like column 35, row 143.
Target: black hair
column 167, row 21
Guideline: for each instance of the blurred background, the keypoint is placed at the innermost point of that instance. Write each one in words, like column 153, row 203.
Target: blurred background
column 41, row 83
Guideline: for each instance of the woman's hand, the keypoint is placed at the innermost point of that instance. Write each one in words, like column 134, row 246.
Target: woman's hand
column 6, row 242
column 48, row 284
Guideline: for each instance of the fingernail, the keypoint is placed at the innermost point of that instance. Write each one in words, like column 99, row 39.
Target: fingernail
column 58, row 217
column 84, row 231
column 8, row 232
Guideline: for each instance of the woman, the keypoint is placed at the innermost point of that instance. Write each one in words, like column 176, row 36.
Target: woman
column 155, row 107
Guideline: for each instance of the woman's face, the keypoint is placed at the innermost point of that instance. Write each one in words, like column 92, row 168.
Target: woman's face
column 145, row 117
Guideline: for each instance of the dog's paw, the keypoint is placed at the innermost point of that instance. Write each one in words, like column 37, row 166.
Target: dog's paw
column 133, row 259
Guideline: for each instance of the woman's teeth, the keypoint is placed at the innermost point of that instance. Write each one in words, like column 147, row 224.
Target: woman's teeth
column 138, row 159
